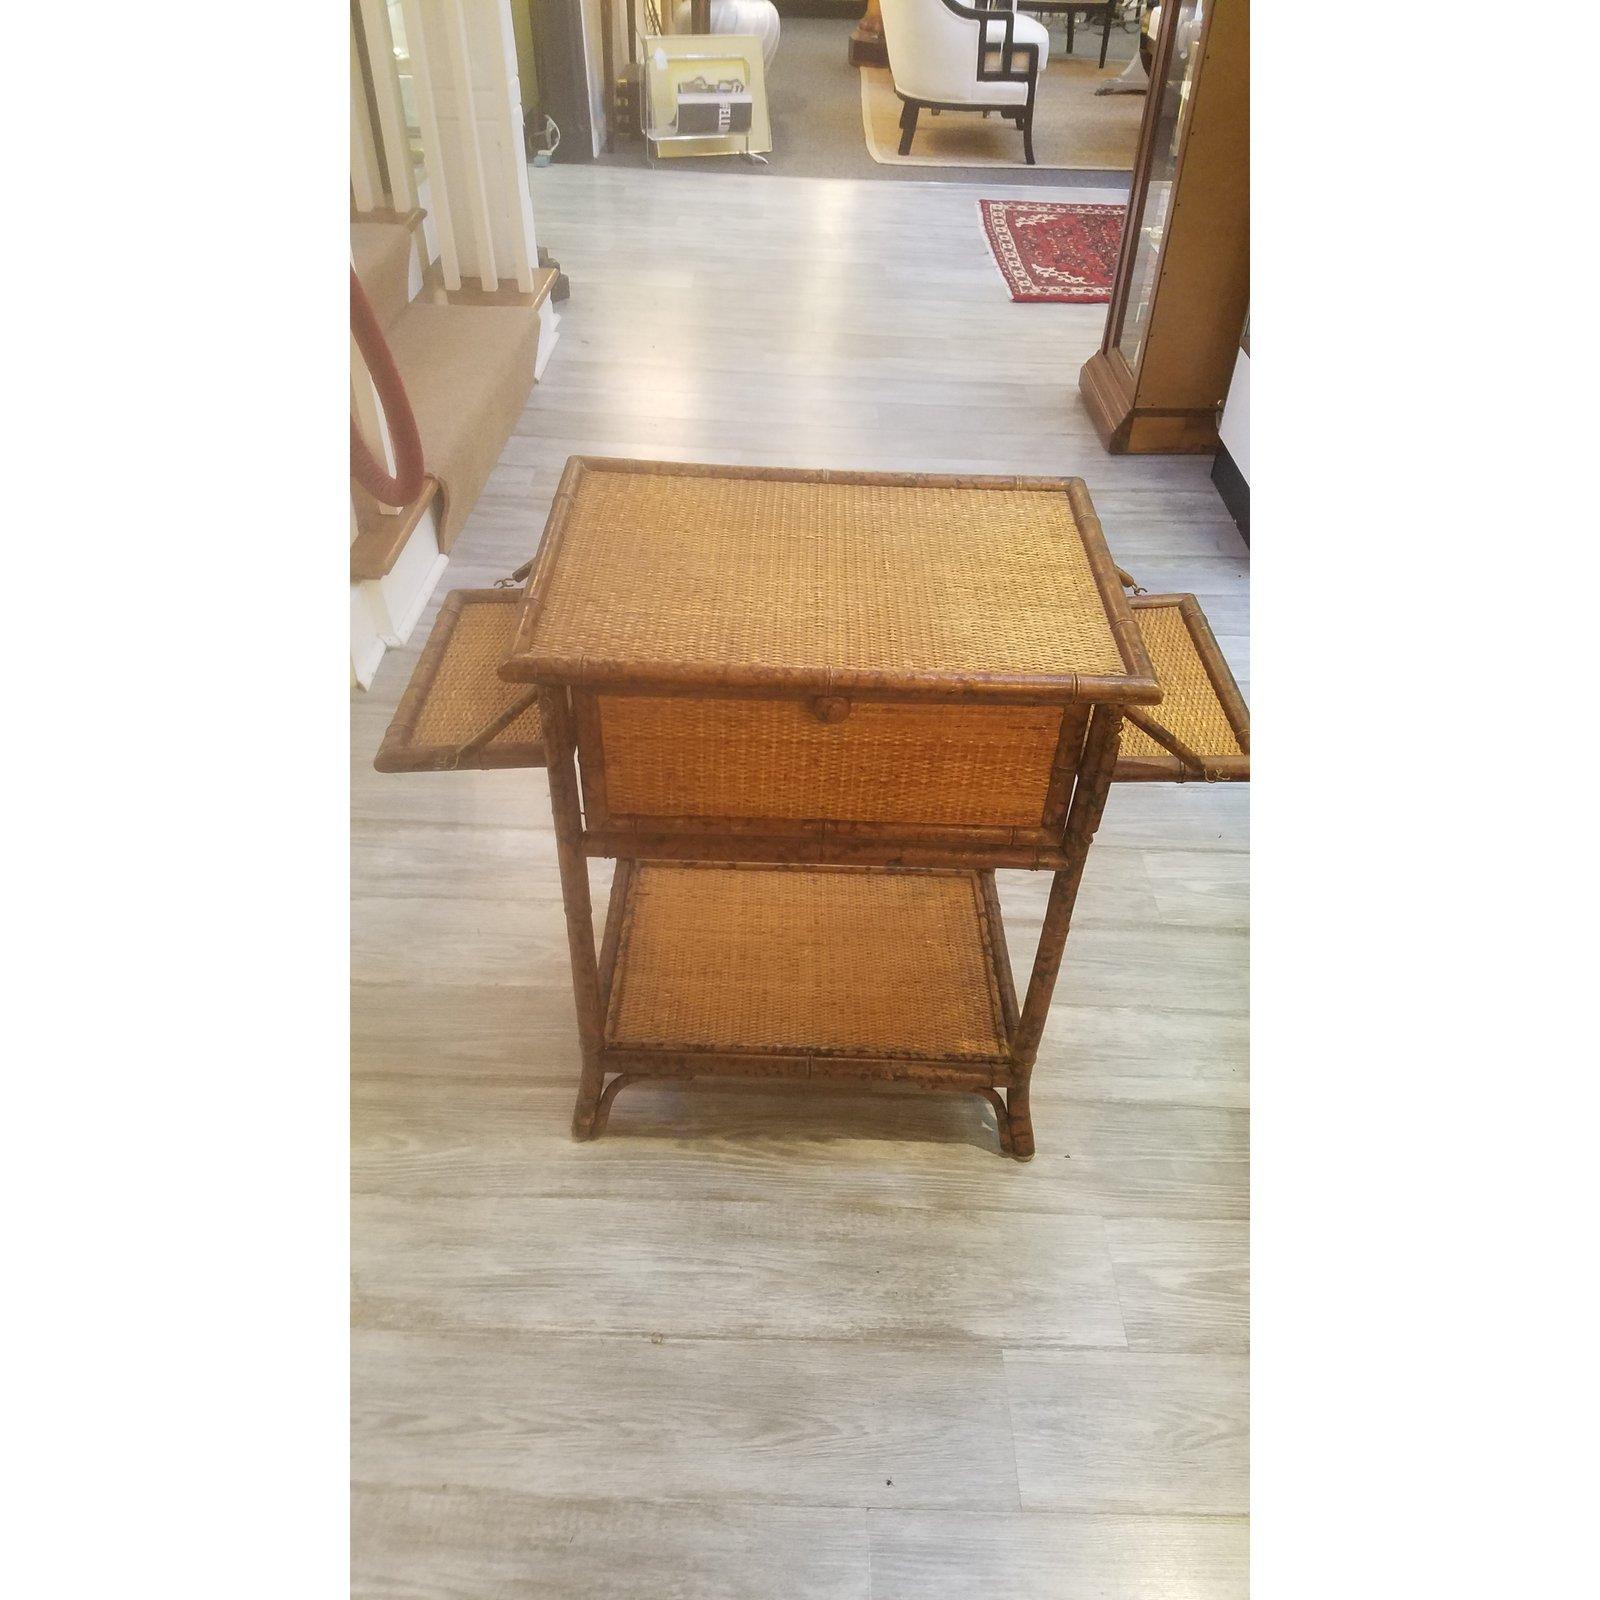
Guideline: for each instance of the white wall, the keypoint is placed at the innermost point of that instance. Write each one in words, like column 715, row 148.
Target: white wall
column 1235, row 425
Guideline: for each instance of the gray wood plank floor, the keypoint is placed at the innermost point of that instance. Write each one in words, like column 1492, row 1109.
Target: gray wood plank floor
column 766, row 1342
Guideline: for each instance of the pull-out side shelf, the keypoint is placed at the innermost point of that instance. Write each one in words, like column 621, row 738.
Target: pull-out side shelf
column 1201, row 728
column 457, row 712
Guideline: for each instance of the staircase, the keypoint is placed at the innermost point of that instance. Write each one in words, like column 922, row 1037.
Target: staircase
column 468, row 358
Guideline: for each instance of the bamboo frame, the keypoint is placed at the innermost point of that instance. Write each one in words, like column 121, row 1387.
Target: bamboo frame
column 400, row 753
column 1080, row 778
column 1135, row 685
column 1184, row 764
column 993, row 1059
column 556, row 716
column 608, row 1067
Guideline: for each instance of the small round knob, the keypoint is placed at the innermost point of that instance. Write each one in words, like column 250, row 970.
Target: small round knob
column 830, row 708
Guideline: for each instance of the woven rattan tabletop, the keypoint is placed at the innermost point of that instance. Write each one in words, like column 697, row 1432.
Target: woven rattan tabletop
column 673, row 574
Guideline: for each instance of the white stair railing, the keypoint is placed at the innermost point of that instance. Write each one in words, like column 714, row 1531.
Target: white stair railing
column 461, row 58
column 506, row 92
column 459, row 53
column 366, row 175
column 433, row 151
column 396, row 141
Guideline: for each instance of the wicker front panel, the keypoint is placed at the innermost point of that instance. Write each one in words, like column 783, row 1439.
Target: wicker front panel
column 840, row 961
column 938, row 765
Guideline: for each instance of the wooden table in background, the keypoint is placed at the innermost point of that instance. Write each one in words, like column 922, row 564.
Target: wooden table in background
column 867, row 48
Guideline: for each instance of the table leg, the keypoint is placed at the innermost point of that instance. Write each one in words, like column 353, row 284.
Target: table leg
column 560, row 747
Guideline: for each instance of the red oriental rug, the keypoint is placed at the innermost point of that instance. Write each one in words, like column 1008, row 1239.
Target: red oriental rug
column 1049, row 251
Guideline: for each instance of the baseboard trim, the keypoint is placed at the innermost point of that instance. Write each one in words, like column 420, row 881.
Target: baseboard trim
column 383, row 611
column 549, row 331
column 1234, row 489
column 406, row 620
column 366, row 647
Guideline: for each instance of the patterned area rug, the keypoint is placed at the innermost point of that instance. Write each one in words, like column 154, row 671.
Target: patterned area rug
column 1049, row 251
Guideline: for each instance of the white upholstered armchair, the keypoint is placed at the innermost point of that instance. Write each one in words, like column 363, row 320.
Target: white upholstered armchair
column 954, row 57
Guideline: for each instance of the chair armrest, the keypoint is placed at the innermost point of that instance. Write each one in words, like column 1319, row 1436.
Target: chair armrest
column 1010, row 50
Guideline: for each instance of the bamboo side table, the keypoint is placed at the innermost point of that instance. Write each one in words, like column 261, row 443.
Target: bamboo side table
column 809, row 714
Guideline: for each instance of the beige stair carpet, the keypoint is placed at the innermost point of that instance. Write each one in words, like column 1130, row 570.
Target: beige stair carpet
column 381, row 254
column 1072, row 126
column 467, row 371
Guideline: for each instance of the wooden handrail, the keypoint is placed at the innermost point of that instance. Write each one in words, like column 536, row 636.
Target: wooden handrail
column 406, row 483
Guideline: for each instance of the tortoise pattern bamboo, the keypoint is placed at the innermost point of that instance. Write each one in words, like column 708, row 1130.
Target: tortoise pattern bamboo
column 809, row 713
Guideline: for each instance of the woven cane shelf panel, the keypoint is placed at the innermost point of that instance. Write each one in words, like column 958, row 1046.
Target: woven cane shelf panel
column 957, row 765
column 819, row 961
column 657, row 572
column 1193, row 709
column 456, row 694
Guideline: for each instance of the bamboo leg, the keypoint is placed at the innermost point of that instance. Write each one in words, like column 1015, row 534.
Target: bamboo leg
column 621, row 880
column 1047, row 963
column 1020, row 1144
column 556, row 717
column 1002, row 1119
column 1088, row 802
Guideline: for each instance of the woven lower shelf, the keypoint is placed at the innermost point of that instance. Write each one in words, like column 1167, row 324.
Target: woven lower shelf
column 457, row 713
column 877, row 965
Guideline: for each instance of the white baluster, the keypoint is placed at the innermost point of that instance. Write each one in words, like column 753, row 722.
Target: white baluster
column 391, row 108
column 508, row 92
column 460, row 53
column 365, row 179
column 432, row 149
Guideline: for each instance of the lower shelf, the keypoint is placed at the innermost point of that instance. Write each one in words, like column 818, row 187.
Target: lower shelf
column 871, row 964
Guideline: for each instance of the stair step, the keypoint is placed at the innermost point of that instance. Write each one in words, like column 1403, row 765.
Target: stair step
column 467, row 371
column 381, row 253
column 382, row 535
column 472, row 293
